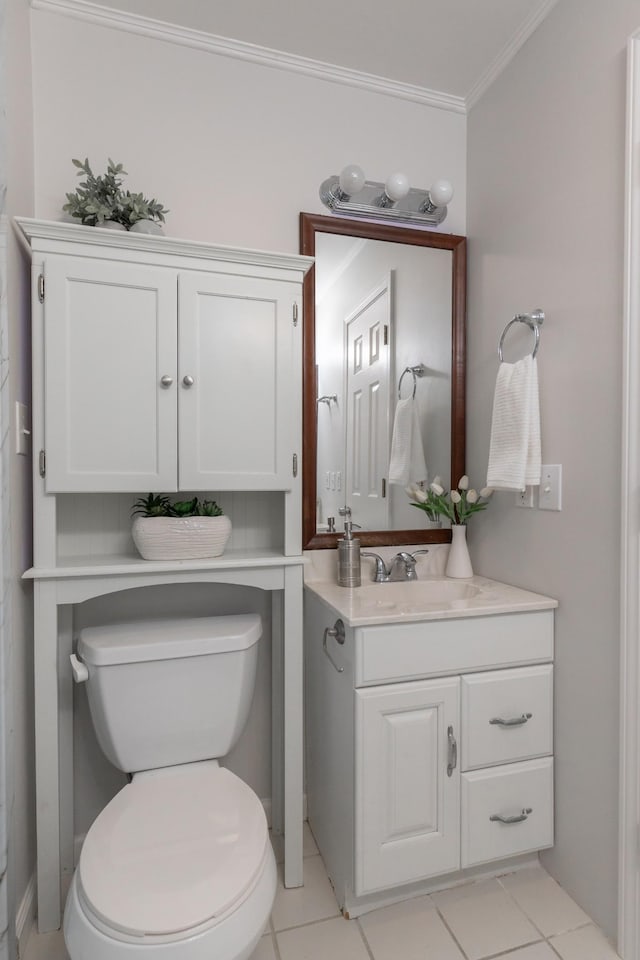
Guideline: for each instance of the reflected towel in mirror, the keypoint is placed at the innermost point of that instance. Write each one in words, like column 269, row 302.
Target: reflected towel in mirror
column 514, row 453
column 407, row 463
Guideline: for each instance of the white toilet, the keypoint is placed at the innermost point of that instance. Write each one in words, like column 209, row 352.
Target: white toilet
column 178, row 866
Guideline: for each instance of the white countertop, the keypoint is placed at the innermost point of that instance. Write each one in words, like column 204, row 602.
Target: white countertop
column 430, row 598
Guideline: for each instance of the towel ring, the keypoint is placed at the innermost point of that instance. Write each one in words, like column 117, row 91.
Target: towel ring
column 533, row 321
column 418, row 371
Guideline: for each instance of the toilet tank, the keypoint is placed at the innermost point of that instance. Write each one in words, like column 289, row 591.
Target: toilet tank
column 165, row 692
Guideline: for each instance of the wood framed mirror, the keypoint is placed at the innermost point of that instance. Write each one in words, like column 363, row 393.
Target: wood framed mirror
column 416, row 278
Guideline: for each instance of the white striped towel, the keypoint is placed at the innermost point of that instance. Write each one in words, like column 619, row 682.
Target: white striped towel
column 406, row 463
column 514, row 453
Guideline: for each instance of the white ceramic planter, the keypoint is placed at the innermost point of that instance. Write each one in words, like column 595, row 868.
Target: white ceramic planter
column 181, row 538
column 147, row 226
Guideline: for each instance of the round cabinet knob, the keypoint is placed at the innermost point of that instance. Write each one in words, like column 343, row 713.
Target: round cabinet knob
column 166, row 381
column 188, row 381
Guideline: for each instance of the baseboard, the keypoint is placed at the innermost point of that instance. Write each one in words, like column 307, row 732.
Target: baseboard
column 26, row 916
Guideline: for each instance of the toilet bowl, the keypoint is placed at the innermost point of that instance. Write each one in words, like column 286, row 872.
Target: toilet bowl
column 178, row 865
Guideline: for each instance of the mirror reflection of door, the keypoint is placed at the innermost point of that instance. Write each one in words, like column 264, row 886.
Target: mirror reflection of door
column 367, row 336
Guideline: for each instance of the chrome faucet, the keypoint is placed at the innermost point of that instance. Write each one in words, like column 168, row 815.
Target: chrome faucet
column 381, row 574
column 403, row 566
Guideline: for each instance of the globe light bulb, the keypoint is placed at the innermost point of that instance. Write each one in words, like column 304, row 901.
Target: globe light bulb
column 352, row 180
column 396, row 186
column 441, row 193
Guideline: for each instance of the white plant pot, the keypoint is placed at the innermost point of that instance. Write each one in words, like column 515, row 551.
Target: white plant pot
column 181, row 538
column 111, row 225
column 147, row 226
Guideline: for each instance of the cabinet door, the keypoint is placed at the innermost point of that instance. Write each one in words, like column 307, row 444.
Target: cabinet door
column 407, row 789
column 239, row 382
column 110, row 336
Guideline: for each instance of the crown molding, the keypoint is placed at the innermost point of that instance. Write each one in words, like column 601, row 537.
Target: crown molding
column 239, row 50
column 39, row 234
column 507, row 53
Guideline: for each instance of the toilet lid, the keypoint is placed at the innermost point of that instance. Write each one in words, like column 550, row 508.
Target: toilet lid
column 174, row 849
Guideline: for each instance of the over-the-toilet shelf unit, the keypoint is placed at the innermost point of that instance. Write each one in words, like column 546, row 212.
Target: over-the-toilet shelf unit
column 160, row 365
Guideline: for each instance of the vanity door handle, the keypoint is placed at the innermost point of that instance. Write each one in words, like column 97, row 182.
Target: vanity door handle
column 498, row 818
column 512, row 721
column 452, row 753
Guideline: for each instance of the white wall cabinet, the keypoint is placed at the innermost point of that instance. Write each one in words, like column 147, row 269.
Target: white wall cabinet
column 413, row 778
column 160, row 365
column 162, row 378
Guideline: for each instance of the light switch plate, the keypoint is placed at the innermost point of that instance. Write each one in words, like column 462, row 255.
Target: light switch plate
column 550, row 495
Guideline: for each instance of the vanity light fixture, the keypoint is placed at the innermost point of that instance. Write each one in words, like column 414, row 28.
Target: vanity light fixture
column 393, row 200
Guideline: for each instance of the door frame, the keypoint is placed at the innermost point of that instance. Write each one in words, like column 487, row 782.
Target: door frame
column 629, row 831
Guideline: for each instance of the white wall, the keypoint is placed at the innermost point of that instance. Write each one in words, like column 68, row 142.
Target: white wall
column 235, row 150
column 545, row 225
column 16, row 492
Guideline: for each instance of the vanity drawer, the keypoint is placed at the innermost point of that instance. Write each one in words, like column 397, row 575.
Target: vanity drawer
column 522, row 791
column 431, row 648
column 506, row 716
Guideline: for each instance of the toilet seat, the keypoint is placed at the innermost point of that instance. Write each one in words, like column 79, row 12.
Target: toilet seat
column 172, row 853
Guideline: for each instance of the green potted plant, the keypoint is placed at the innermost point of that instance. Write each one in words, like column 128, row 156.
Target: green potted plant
column 183, row 530
column 100, row 201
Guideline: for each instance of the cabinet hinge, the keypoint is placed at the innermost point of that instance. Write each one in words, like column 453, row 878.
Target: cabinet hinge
column 42, row 463
column 385, row 337
column 384, row 488
column 294, row 313
column 295, row 464
column 41, row 287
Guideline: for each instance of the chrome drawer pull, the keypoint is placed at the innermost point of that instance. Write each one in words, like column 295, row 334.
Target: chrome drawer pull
column 513, row 721
column 517, row 819
column 452, row 759
column 336, row 631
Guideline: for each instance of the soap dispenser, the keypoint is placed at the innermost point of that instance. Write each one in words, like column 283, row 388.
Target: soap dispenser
column 348, row 558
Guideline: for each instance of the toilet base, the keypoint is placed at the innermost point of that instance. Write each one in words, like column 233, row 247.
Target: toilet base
column 235, row 937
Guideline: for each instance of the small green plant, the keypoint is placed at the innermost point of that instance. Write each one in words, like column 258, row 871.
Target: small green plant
column 158, row 505
column 155, row 505
column 100, row 198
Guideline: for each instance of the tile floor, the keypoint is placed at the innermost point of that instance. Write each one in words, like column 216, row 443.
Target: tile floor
column 520, row 916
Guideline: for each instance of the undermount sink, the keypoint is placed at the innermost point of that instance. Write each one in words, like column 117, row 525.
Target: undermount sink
column 410, row 593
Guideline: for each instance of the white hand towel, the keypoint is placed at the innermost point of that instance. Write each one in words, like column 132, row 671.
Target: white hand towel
column 514, row 453
column 406, row 463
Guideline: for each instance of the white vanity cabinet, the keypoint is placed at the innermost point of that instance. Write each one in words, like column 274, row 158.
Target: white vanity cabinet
column 165, row 370
column 429, row 744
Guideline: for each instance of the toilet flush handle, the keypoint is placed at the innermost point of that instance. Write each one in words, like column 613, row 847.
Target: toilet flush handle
column 80, row 672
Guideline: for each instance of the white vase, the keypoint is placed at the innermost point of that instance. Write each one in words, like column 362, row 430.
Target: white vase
column 111, row 225
column 147, row 226
column 180, row 538
column 459, row 561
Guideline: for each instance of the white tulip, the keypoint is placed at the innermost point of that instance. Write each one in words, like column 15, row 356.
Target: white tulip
column 463, row 482
column 472, row 496
column 436, row 488
column 420, row 496
column 411, row 490
column 486, row 491
column 438, row 481
column 455, row 497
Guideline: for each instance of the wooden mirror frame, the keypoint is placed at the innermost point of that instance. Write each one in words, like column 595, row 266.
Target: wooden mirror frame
column 310, row 224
